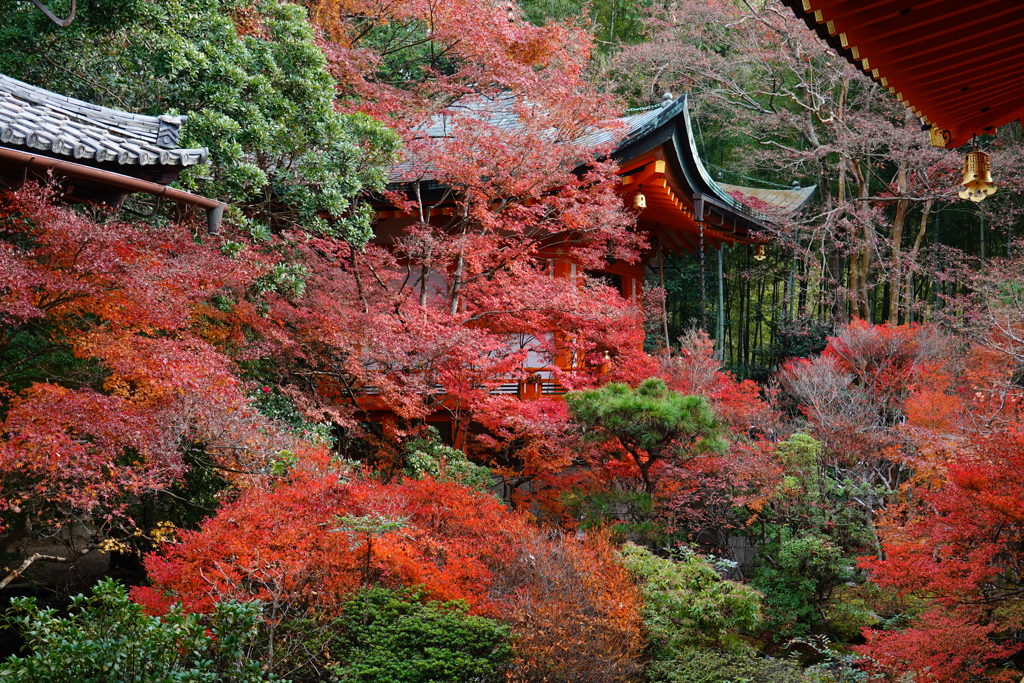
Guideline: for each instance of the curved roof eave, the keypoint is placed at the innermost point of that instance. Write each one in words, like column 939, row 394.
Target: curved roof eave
column 954, row 64
column 665, row 125
column 673, row 124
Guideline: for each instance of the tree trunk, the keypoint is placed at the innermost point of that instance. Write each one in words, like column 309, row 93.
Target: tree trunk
column 898, row 223
column 720, row 320
column 664, row 297
column 863, row 256
column 908, row 293
column 841, row 198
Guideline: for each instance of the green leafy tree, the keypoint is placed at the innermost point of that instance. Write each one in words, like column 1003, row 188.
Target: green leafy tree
column 107, row 637
column 650, row 424
column 252, row 81
column 694, row 620
column 797, row 575
column 393, row 635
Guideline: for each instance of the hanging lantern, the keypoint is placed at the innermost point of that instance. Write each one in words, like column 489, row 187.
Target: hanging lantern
column 759, row 254
column 977, row 180
column 639, row 200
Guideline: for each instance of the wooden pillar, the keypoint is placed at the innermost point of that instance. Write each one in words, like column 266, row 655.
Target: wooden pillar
column 664, row 296
column 698, row 215
column 720, row 322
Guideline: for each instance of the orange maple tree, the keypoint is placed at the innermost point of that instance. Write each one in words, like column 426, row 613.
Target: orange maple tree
column 306, row 545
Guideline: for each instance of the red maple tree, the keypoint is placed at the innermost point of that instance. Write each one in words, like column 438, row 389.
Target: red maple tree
column 956, row 549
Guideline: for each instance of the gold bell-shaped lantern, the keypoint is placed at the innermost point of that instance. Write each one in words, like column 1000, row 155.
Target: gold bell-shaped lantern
column 977, row 177
column 639, row 200
column 759, row 253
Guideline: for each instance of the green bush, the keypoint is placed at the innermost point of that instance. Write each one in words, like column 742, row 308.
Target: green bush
column 106, row 637
column 429, row 457
column 797, row 574
column 393, row 635
column 695, row 622
column 847, row 612
column 687, row 603
column 697, row 665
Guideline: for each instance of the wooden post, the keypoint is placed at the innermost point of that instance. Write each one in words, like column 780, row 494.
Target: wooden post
column 698, row 215
column 720, row 326
column 664, row 297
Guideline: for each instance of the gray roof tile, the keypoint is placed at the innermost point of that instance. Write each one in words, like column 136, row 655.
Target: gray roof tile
column 63, row 126
column 781, row 200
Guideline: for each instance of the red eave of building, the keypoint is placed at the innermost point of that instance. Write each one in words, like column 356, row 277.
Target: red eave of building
column 669, row 208
column 955, row 64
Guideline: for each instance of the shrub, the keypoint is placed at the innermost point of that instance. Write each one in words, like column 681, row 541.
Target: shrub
column 797, row 576
column 850, row 609
column 694, row 621
column 428, row 457
column 394, row 635
column 574, row 611
column 687, row 603
column 699, row 665
column 106, row 637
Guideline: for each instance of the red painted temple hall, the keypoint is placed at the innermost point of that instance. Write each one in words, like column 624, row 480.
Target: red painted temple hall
column 682, row 208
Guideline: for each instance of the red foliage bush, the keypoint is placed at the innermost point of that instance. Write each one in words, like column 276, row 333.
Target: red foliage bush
column 959, row 548
column 572, row 605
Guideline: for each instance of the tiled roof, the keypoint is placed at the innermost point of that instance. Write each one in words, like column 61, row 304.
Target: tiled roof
column 630, row 124
column 32, row 118
column 639, row 125
column 785, row 201
column 500, row 111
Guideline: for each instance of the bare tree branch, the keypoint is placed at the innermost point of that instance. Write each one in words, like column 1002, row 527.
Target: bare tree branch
column 53, row 17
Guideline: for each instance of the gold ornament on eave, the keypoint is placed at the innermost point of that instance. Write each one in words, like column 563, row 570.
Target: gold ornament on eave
column 977, row 180
column 759, row 253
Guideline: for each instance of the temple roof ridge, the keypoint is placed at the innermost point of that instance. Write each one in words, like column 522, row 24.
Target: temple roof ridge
column 670, row 124
column 33, row 118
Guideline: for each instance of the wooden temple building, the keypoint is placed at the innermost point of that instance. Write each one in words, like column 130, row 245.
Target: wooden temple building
column 97, row 155
column 956, row 65
column 656, row 151
column 93, row 154
column 684, row 209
